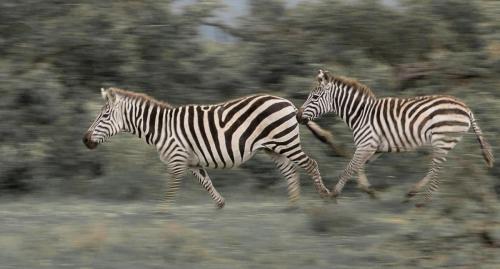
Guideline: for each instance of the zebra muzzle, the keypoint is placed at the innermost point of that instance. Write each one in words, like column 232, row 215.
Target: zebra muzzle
column 300, row 119
column 88, row 142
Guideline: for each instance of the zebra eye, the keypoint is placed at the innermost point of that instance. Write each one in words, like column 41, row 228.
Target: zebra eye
column 106, row 115
column 315, row 96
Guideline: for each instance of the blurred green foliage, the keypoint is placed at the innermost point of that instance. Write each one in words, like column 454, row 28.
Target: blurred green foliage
column 57, row 54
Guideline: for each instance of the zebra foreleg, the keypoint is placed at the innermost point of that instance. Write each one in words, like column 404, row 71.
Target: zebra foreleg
column 289, row 171
column 355, row 165
column 176, row 173
column 364, row 184
column 202, row 176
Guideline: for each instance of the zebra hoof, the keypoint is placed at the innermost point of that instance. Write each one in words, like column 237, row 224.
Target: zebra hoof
column 221, row 204
column 163, row 208
column 325, row 194
column 373, row 195
column 291, row 208
column 423, row 203
column 334, row 195
column 161, row 211
column 371, row 192
column 411, row 193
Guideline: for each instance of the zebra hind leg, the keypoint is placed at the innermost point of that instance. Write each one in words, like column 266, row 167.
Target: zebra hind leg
column 431, row 180
column 440, row 148
column 202, row 176
column 289, row 171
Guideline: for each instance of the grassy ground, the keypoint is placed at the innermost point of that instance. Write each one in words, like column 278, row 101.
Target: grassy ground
column 252, row 232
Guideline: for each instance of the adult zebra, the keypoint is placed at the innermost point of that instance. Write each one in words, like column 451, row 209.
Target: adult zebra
column 393, row 125
column 194, row 137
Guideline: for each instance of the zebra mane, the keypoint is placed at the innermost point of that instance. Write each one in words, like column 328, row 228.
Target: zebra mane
column 141, row 96
column 356, row 85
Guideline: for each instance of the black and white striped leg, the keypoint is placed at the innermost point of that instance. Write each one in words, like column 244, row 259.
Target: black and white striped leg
column 415, row 189
column 177, row 171
column 357, row 162
column 364, row 184
column 362, row 179
column 202, row 176
column 311, row 167
column 288, row 170
column 431, row 180
column 441, row 147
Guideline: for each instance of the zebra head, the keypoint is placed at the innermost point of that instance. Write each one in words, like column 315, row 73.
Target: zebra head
column 108, row 122
column 319, row 100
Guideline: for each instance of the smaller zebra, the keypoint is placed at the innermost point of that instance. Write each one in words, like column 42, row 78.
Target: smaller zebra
column 195, row 137
column 393, row 125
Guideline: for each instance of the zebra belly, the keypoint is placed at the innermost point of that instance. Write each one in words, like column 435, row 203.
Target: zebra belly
column 197, row 161
column 387, row 145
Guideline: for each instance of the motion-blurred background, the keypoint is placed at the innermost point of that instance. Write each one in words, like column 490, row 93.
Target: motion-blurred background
column 65, row 206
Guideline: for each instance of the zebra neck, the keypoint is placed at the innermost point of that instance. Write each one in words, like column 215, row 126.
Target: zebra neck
column 350, row 105
column 147, row 120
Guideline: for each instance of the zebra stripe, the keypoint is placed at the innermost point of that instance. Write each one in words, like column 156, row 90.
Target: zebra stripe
column 393, row 125
column 195, row 137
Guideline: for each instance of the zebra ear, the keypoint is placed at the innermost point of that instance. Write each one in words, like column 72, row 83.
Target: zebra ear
column 108, row 95
column 103, row 94
column 323, row 76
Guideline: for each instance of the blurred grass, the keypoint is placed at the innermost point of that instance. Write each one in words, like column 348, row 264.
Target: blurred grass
column 258, row 232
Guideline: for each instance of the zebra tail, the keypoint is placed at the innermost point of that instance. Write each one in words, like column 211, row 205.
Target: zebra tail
column 325, row 137
column 485, row 146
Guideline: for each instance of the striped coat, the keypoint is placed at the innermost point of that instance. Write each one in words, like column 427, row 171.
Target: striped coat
column 195, row 137
column 393, row 125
